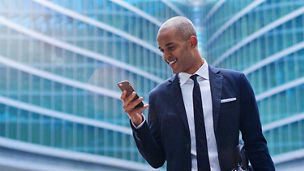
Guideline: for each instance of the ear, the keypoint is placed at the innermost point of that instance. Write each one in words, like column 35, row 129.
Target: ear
column 193, row 41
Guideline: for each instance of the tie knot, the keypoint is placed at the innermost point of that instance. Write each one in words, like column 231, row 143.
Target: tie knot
column 193, row 77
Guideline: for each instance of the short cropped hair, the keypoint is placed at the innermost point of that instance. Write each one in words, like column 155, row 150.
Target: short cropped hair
column 183, row 26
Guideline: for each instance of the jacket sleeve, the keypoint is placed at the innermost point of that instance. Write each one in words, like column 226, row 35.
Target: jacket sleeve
column 255, row 142
column 148, row 138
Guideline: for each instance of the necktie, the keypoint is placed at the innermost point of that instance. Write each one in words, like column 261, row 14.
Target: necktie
column 200, row 133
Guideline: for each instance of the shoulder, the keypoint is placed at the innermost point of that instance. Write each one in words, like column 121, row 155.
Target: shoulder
column 228, row 72
column 162, row 87
column 229, row 76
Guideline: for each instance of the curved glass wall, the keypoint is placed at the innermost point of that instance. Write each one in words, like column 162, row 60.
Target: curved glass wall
column 295, row 104
column 118, row 15
column 157, row 9
column 60, row 62
column 67, row 63
column 223, row 14
column 54, row 132
column 255, row 20
column 83, row 35
column 265, row 40
column 115, row 15
column 286, row 138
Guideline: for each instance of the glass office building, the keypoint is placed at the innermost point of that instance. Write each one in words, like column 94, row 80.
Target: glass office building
column 265, row 40
column 60, row 61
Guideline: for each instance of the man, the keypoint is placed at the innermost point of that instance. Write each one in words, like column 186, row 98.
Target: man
column 195, row 116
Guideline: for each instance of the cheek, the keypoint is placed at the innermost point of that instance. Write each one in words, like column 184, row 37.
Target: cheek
column 183, row 55
column 178, row 53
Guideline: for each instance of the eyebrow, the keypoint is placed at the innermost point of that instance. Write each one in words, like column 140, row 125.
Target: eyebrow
column 168, row 44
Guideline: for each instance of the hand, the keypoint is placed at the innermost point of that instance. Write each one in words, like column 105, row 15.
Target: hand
column 135, row 114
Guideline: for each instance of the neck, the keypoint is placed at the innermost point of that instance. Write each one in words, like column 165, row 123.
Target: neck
column 197, row 64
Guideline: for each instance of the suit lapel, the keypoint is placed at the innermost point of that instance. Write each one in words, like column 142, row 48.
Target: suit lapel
column 216, row 92
column 176, row 96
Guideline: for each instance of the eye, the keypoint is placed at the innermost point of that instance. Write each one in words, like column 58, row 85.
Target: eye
column 171, row 48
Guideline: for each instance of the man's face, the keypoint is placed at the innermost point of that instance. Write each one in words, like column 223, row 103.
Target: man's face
column 175, row 49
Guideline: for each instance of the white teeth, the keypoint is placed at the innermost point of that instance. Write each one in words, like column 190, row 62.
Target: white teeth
column 170, row 63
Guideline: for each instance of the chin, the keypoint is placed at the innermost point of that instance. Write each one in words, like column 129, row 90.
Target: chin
column 175, row 71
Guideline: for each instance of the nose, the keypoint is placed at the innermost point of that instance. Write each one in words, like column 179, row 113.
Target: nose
column 166, row 56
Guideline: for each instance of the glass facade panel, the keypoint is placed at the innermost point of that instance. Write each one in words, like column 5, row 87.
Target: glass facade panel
column 32, row 127
column 59, row 66
column 266, row 43
column 67, row 63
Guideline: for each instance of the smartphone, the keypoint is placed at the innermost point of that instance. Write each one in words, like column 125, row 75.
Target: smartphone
column 125, row 85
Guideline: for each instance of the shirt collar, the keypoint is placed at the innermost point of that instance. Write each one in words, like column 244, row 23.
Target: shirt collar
column 202, row 72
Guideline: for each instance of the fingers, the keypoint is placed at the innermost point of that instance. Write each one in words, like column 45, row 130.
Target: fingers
column 130, row 98
column 140, row 109
column 135, row 114
column 144, row 107
column 134, row 103
column 123, row 95
column 130, row 107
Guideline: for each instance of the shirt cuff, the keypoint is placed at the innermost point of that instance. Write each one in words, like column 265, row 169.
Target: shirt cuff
column 141, row 124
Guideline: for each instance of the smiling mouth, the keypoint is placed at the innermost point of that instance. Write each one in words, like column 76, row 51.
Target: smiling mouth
column 172, row 62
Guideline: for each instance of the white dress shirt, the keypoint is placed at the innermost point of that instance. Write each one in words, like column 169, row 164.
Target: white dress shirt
column 187, row 84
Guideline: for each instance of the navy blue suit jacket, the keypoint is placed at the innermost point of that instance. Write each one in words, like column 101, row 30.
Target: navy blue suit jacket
column 166, row 136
